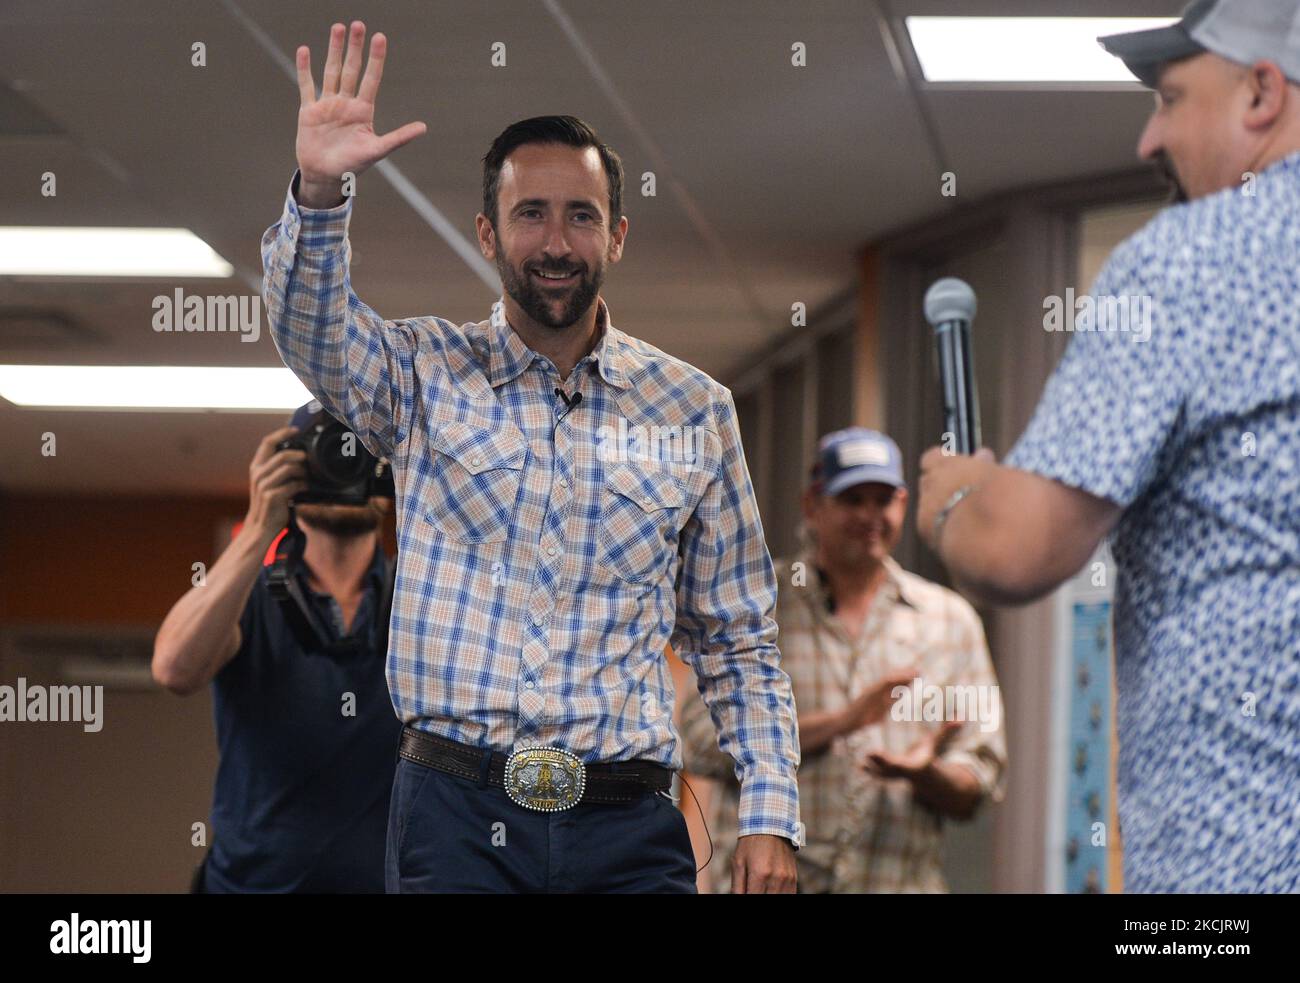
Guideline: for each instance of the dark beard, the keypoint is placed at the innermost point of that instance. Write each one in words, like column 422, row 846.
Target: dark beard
column 529, row 296
column 1165, row 167
column 343, row 521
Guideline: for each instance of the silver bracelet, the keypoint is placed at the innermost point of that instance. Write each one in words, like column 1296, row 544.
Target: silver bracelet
column 948, row 506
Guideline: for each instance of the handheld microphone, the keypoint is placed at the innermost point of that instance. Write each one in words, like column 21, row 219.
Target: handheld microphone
column 950, row 308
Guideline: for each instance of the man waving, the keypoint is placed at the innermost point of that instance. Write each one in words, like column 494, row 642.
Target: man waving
column 545, row 559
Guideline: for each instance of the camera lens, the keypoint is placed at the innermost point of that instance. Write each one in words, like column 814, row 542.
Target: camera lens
column 339, row 457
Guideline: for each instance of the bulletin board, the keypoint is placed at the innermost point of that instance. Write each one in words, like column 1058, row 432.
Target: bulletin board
column 1083, row 848
column 1089, row 794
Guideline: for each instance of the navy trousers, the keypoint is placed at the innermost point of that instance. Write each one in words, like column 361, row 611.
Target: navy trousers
column 447, row 833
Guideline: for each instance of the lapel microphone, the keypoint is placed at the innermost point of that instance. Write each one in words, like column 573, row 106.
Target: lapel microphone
column 569, row 401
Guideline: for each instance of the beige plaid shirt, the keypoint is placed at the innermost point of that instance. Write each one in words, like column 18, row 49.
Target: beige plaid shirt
column 865, row 834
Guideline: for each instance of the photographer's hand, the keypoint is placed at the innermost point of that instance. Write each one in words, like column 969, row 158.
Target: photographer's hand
column 274, row 477
column 336, row 132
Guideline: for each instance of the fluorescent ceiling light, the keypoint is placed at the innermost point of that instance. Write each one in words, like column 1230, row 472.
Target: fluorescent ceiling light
column 34, row 250
column 1022, row 49
column 151, row 387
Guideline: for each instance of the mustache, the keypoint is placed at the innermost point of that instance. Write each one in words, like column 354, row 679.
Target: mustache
column 1165, row 168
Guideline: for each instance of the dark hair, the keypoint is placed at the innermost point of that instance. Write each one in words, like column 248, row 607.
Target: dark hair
column 568, row 130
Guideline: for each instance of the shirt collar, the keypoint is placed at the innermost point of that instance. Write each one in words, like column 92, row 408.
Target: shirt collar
column 894, row 586
column 897, row 578
column 378, row 571
column 1288, row 163
column 508, row 355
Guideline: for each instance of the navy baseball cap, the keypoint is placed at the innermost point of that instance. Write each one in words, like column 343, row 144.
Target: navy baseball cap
column 857, row 456
column 1244, row 31
column 304, row 414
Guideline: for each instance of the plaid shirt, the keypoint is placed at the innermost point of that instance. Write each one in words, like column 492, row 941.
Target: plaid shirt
column 864, row 834
column 545, row 555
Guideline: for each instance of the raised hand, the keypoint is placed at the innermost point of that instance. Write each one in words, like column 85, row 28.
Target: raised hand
column 336, row 133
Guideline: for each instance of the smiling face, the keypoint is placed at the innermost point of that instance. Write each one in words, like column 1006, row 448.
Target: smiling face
column 552, row 239
column 857, row 528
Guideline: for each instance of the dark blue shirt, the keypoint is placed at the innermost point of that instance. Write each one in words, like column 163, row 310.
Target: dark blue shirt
column 301, row 798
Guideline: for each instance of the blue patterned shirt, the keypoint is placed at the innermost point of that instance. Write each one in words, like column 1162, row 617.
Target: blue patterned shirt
column 547, row 555
column 1195, row 432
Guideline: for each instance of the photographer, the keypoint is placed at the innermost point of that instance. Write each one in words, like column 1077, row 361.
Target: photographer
column 305, row 726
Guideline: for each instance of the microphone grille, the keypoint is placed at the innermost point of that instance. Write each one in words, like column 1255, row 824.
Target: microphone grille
column 949, row 299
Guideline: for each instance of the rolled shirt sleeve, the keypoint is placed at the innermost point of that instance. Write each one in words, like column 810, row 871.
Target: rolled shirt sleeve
column 980, row 745
column 725, row 630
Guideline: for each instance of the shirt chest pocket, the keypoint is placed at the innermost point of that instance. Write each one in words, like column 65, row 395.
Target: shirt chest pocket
column 476, row 482
column 638, row 523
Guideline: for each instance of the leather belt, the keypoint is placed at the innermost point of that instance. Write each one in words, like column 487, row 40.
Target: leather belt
column 545, row 779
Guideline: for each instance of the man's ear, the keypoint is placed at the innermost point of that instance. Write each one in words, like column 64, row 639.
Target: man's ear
column 808, row 502
column 616, row 241
column 487, row 237
column 1268, row 88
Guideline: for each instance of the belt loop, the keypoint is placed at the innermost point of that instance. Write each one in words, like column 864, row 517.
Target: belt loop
column 484, row 767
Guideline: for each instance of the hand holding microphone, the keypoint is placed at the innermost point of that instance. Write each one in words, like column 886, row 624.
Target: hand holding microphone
column 954, row 470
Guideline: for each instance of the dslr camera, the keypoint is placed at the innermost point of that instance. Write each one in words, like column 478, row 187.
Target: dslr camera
column 339, row 468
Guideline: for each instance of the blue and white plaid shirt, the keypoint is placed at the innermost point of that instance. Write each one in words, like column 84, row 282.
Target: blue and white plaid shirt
column 1186, row 411
column 546, row 556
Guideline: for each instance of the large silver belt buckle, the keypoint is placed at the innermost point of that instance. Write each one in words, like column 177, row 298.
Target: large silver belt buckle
column 546, row 779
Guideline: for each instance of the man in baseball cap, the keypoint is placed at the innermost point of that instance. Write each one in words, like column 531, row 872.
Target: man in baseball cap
column 860, row 637
column 1181, row 439
column 1224, row 62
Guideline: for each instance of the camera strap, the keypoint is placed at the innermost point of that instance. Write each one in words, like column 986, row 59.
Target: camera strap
column 302, row 616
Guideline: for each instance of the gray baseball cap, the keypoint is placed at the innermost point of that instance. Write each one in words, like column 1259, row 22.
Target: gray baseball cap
column 1244, row 31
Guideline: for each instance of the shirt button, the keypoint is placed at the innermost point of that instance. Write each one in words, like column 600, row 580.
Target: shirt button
column 538, row 619
column 529, row 684
column 564, row 482
column 476, row 461
column 550, row 551
column 648, row 500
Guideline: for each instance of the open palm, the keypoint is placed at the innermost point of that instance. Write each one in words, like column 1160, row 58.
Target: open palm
column 336, row 132
column 915, row 759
